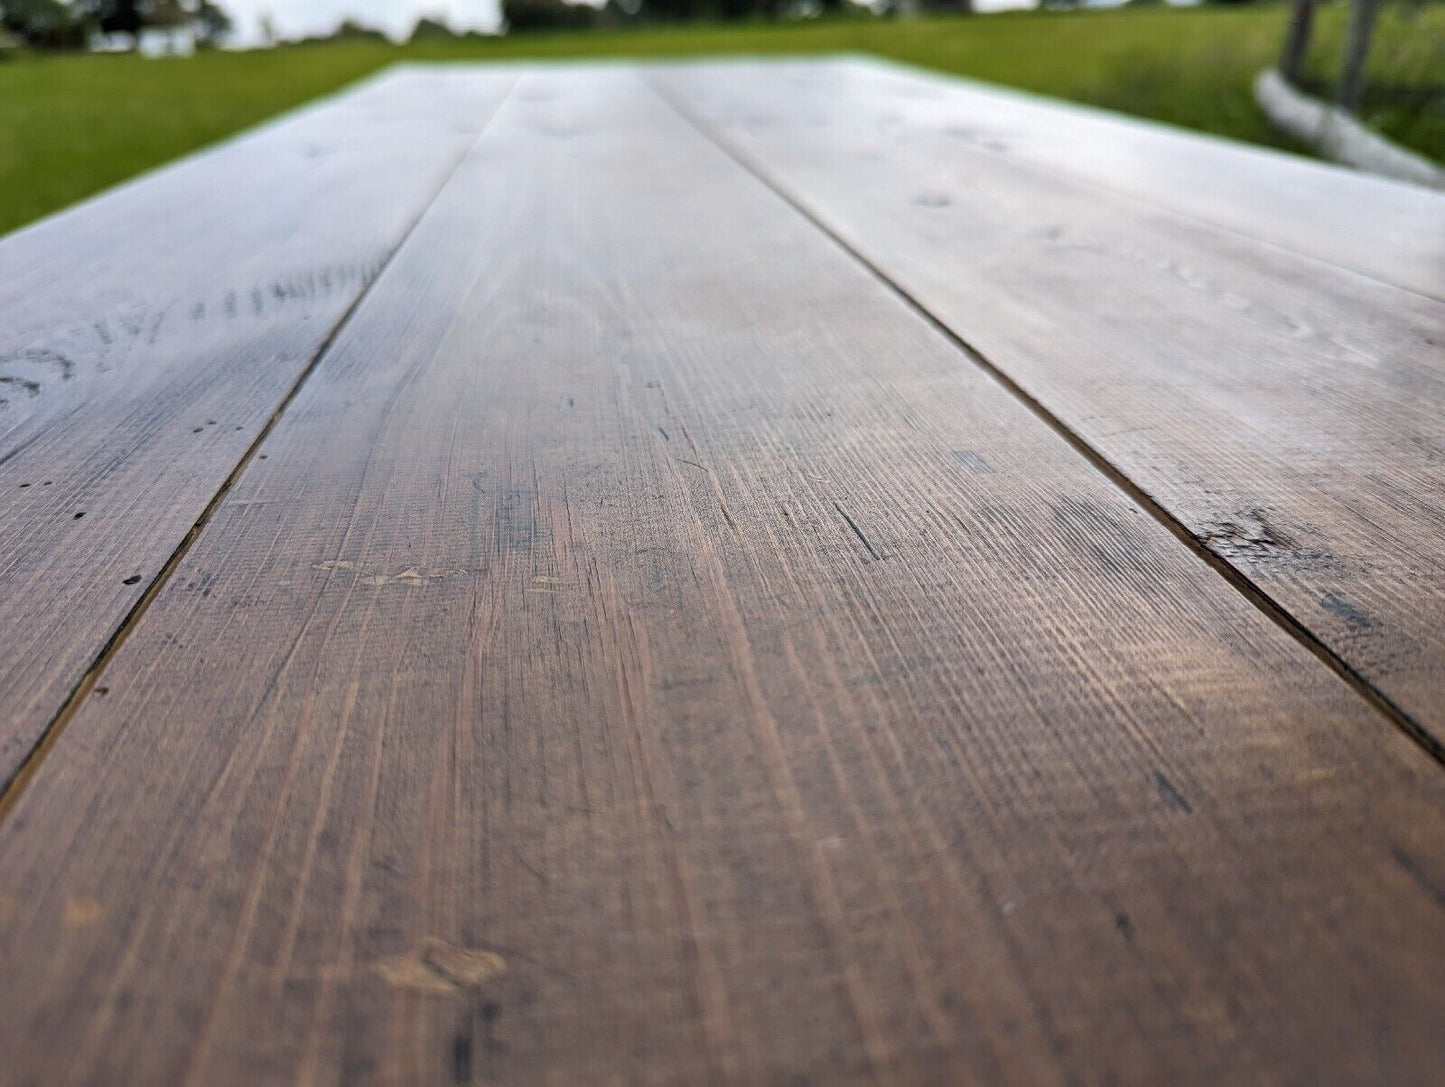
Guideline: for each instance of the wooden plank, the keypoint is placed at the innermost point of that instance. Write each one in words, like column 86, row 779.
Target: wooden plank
column 649, row 653
column 147, row 336
column 1385, row 229
column 1288, row 414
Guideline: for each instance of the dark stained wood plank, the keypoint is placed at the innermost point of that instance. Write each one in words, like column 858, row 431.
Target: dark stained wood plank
column 1288, row 414
column 1386, row 229
column 650, row 653
column 147, row 336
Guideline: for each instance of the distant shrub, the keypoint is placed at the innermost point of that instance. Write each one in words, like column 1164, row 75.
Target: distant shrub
column 530, row 16
column 432, row 30
column 352, row 31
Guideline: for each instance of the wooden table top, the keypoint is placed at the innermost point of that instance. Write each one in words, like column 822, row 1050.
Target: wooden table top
column 750, row 572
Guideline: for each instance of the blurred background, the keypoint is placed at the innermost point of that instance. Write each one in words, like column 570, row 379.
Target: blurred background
column 95, row 91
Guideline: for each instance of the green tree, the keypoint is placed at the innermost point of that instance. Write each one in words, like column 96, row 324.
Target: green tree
column 46, row 24
column 118, row 16
column 213, row 22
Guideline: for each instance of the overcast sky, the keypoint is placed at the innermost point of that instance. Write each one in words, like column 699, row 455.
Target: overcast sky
column 294, row 18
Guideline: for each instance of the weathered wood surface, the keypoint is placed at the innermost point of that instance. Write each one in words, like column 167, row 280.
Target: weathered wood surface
column 650, row 653
column 1289, row 414
column 147, row 337
column 1385, row 229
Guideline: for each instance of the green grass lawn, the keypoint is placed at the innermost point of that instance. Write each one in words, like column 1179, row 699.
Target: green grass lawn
column 72, row 125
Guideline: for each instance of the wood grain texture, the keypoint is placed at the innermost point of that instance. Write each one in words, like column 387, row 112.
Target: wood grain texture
column 1287, row 413
column 1389, row 230
column 147, row 336
column 649, row 653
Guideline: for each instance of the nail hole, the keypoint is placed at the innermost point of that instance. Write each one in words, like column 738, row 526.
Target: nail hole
column 102, row 691
column 197, row 430
column 133, row 579
column 79, row 515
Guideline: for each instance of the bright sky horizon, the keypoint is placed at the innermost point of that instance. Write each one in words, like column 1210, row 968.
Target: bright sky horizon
column 299, row 18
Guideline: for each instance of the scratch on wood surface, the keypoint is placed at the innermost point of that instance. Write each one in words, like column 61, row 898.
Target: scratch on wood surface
column 410, row 575
column 442, row 968
column 852, row 524
column 1171, row 796
column 1412, row 869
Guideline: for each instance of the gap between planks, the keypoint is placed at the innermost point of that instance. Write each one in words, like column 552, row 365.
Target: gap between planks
column 11, row 789
column 1236, row 578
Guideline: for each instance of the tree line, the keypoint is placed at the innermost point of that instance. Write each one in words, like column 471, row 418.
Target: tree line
column 69, row 24
column 523, row 16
